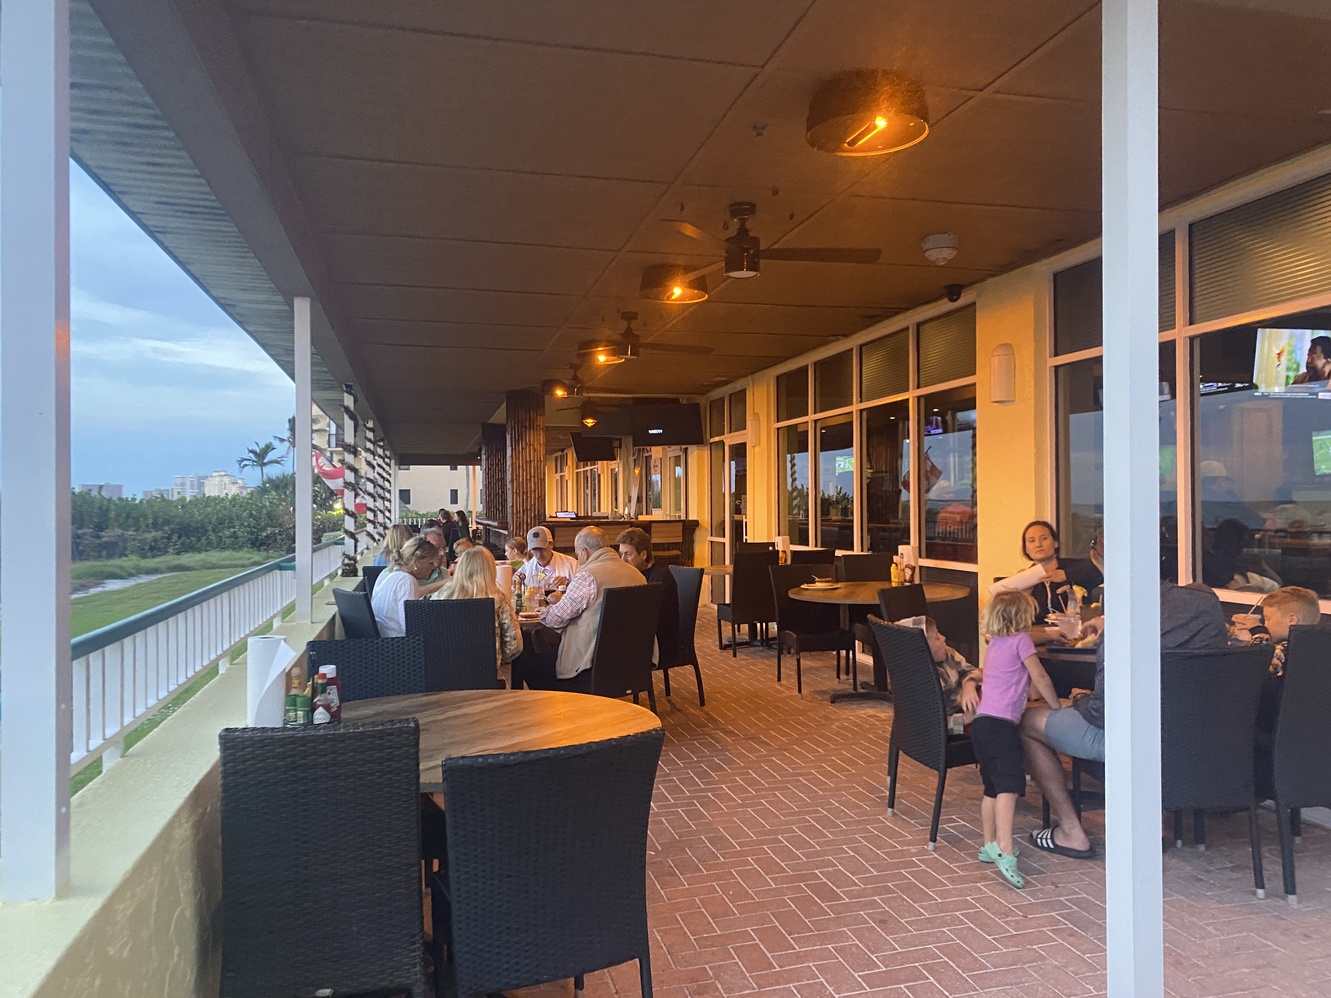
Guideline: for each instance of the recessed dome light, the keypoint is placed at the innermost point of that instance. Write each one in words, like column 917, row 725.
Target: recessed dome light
column 867, row 112
column 670, row 283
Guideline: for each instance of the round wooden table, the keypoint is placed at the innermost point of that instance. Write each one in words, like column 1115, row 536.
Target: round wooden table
column 866, row 593
column 484, row 722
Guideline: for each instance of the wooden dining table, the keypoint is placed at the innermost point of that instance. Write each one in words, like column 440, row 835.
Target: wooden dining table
column 866, row 593
column 488, row 722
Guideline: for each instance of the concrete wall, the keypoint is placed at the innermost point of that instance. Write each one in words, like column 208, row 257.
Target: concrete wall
column 430, row 485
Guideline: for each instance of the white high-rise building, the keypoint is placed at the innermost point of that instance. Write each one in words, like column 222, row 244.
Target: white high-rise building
column 188, row 486
column 111, row 490
column 222, row 483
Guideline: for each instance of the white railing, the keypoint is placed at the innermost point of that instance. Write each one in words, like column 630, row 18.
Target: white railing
column 125, row 672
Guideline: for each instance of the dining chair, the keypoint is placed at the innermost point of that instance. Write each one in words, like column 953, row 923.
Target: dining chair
column 902, row 602
column 748, row 547
column 1208, row 720
column 353, row 608
column 287, row 793
column 622, row 658
column 546, row 872
column 815, row 556
column 459, row 639
column 803, row 626
column 1291, row 758
column 372, row 667
column 750, row 597
column 919, row 714
column 870, row 567
column 371, row 573
column 688, row 586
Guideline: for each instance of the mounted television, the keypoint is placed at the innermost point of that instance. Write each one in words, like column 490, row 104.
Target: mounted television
column 587, row 448
column 1294, row 363
column 1321, row 452
column 666, row 425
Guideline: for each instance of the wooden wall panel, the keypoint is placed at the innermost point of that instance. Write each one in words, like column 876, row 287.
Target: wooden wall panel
column 494, row 471
column 525, row 440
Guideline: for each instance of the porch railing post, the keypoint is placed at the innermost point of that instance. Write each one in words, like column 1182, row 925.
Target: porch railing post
column 1133, row 876
column 303, row 449
column 37, row 686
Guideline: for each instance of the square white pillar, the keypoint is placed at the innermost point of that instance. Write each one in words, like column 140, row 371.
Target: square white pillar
column 304, row 450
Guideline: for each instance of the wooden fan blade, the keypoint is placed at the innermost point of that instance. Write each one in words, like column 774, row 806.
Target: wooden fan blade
column 692, row 231
column 677, row 348
column 822, row 255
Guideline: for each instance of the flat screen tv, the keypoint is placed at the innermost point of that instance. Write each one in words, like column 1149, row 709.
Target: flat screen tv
column 1292, row 362
column 1322, row 452
column 587, row 448
column 666, row 425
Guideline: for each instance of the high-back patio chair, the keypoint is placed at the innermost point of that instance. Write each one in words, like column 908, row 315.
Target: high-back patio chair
column 803, row 627
column 622, row 659
column 459, row 639
column 355, row 612
column 688, row 587
column 372, row 667
column 750, row 596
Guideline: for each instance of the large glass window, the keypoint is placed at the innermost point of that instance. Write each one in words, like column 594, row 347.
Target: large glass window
column 947, row 347
column 885, row 366
column 1264, row 457
column 793, row 490
column 717, row 506
column 792, row 395
column 739, row 411
column 716, row 417
column 885, row 474
column 739, row 492
column 947, row 470
column 833, row 387
column 836, row 481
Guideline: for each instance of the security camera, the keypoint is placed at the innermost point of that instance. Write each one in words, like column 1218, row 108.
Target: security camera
column 953, row 291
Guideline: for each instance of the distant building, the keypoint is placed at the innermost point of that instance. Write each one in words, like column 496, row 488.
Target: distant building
column 221, row 483
column 430, row 487
column 157, row 494
column 109, row 489
column 188, row 486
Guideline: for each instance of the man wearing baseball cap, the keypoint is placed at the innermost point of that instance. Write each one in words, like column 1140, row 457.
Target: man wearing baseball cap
column 544, row 565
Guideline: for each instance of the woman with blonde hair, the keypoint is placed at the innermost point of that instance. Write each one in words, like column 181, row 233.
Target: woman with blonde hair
column 417, row 560
column 398, row 534
column 474, row 577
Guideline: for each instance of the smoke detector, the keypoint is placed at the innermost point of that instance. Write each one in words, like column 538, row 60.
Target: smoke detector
column 940, row 247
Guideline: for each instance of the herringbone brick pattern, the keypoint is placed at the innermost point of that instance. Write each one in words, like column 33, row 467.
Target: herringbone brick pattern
column 774, row 870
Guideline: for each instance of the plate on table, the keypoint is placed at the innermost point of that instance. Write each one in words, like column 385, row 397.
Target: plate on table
column 528, row 617
column 820, row 585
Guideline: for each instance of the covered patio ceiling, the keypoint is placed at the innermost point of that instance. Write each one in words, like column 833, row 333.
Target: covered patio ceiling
column 470, row 190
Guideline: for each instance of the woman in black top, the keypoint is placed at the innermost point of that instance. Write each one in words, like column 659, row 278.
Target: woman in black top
column 1039, row 544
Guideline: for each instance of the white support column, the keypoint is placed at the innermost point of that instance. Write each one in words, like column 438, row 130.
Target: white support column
column 1133, row 893
column 36, row 686
column 349, row 565
column 304, row 449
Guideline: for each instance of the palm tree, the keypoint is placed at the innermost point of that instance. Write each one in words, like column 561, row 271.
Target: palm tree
column 259, row 456
column 288, row 441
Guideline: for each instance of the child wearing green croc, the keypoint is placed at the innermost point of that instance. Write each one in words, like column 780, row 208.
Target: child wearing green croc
column 1011, row 667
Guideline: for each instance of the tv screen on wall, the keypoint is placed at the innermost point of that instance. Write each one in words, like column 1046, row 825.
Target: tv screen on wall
column 1292, row 362
column 587, row 448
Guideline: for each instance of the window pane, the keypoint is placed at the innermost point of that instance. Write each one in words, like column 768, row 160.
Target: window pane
column 1078, row 301
column 739, row 492
column 716, row 417
column 717, row 471
column 832, row 387
column 836, row 482
column 793, row 488
column 885, row 366
column 885, row 474
column 739, row 411
column 947, row 347
column 947, row 464
column 1263, row 461
column 792, row 394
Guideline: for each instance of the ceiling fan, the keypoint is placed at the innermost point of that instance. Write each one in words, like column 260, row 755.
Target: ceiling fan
column 629, row 346
column 743, row 252
column 573, row 387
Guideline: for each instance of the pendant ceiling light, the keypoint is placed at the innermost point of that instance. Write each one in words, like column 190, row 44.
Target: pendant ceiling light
column 668, row 282
column 589, row 417
column 867, row 112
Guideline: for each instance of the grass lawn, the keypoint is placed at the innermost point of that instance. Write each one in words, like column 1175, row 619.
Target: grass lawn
column 128, row 568
column 88, row 613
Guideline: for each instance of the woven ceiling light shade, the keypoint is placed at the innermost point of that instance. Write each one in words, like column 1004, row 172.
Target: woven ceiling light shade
column 867, row 112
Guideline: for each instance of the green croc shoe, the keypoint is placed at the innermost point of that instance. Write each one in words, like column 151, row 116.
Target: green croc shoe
column 1007, row 866
column 990, row 852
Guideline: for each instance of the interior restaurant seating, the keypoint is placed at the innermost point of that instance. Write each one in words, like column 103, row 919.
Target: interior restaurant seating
column 750, row 596
column 319, row 899
column 622, row 659
column 688, row 586
column 372, row 667
column 459, row 637
column 802, row 627
column 370, row 574
column 870, row 567
column 546, row 868
column 919, row 714
column 815, row 556
column 902, row 602
column 353, row 609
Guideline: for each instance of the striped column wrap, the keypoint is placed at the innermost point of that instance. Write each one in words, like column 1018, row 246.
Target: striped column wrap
column 369, row 483
column 350, row 568
column 384, row 468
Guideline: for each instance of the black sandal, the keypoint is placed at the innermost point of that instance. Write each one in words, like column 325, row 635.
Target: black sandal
column 1044, row 841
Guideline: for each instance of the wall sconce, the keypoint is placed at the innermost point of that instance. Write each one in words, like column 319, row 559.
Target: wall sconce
column 1003, row 375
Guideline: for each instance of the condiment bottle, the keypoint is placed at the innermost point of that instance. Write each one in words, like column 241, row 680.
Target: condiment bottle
column 303, row 709
column 334, row 691
column 322, row 704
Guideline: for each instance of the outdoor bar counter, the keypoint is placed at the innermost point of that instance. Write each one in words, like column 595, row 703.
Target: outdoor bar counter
column 672, row 540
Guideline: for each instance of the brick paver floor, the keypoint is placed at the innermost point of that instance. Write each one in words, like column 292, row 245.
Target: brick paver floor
column 775, row 871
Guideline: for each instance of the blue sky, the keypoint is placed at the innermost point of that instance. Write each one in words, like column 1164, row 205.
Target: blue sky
column 163, row 382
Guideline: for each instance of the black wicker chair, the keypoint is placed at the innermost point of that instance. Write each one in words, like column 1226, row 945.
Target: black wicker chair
column 372, row 667
column 919, row 714
column 1291, row 759
column 688, row 585
column 863, row 567
column 546, row 871
column 900, row 602
column 802, row 626
column 622, row 659
column 371, row 573
column 356, row 613
column 750, row 596
column 284, row 793
column 748, row 547
column 1208, row 719
column 823, row 557
column 459, row 642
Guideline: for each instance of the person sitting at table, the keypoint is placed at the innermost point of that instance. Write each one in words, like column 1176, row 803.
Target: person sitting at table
column 545, row 567
column 1190, row 620
column 434, row 579
column 635, row 547
column 435, row 536
column 1040, row 545
column 398, row 534
column 418, row 559
column 1281, row 610
column 474, row 578
column 515, row 550
column 559, row 656
column 952, row 668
